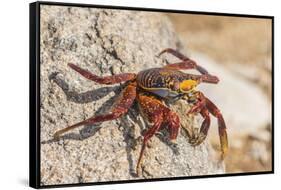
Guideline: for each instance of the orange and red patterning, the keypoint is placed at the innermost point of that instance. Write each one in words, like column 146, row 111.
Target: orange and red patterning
column 151, row 88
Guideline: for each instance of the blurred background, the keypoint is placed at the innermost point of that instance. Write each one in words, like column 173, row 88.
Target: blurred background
column 237, row 50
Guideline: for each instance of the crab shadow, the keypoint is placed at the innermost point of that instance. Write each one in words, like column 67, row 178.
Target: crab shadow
column 82, row 98
column 127, row 127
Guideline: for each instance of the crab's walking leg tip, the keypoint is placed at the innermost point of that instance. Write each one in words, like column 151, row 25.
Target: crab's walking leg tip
column 223, row 155
column 224, row 150
column 163, row 51
column 224, row 144
column 138, row 171
column 57, row 135
column 70, row 64
column 158, row 55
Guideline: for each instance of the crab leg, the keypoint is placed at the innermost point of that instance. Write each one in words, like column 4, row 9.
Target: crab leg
column 222, row 127
column 158, row 119
column 205, row 125
column 103, row 80
column 200, row 102
column 173, row 124
column 186, row 63
column 157, row 113
column 120, row 108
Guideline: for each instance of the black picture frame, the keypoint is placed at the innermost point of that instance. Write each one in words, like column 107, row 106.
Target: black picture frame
column 34, row 98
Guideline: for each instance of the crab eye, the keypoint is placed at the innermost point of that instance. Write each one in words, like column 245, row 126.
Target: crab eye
column 187, row 85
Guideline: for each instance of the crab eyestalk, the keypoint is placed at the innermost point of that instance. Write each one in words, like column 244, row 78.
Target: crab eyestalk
column 210, row 79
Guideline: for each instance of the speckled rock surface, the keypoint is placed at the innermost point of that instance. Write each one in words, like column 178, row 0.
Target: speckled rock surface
column 106, row 42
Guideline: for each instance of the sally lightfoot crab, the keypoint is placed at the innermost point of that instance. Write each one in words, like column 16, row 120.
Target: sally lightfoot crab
column 151, row 88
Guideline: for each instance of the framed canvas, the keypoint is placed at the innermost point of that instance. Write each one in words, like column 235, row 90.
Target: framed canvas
column 122, row 94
